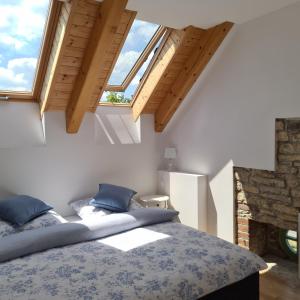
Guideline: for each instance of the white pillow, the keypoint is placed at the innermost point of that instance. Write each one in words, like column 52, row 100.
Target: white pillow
column 48, row 219
column 84, row 210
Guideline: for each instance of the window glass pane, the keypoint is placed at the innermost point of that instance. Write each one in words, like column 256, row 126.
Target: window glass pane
column 292, row 234
column 291, row 240
column 138, row 38
column 127, row 95
column 22, row 25
column 292, row 246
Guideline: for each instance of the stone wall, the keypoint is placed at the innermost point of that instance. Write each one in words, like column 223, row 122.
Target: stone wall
column 270, row 197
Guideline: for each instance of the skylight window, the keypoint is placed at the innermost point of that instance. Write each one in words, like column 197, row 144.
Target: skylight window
column 22, row 26
column 138, row 38
column 136, row 55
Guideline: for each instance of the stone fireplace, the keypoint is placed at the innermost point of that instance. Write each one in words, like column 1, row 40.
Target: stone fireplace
column 267, row 201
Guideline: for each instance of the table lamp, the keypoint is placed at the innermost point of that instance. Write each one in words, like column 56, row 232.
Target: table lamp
column 170, row 155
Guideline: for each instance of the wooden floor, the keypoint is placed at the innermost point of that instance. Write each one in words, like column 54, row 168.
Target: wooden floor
column 273, row 287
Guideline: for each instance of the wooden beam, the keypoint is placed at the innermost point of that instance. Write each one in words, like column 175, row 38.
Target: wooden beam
column 104, row 85
column 191, row 71
column 164, row 57
column 94, row 60
column 17, row 96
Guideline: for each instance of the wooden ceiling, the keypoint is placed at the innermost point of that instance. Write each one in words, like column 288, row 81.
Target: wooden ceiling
column 182, row 59
column 72, row 41
column 87, row 42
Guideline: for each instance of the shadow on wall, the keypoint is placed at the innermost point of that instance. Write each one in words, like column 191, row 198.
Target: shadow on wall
column 218, row 205
column 117, row 129
column 212, row 225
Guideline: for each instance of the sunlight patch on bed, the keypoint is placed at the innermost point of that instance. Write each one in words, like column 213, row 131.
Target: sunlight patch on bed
column 133, row 239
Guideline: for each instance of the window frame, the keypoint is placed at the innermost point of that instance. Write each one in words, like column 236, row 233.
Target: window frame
column 165, row 34
column 151, row 64
column 140, row 61
column 283, row 237
column 43, row 59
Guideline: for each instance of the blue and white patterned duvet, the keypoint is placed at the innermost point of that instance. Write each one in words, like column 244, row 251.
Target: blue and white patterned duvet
column 185, row 264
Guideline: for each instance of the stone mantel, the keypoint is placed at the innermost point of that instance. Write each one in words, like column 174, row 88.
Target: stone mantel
column 271, row 197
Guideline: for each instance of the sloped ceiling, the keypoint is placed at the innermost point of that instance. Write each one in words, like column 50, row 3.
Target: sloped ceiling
column 203, row 13
column 87, row 46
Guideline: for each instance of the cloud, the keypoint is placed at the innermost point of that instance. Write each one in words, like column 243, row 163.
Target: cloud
column 146, row 30
column 17, row 63
column 140, row 34
column 21, row 29
column 18, row 74
column 24, row 19
column 124, row 64
column 11, row 41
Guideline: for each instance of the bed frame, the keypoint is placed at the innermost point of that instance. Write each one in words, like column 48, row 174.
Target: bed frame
column 246, row 289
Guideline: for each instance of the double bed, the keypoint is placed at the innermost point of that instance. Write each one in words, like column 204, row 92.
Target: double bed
column 165, row 260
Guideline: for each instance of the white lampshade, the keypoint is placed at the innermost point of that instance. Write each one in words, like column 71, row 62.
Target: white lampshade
column 170, row 153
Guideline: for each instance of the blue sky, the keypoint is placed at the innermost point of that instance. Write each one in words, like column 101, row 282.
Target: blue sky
column 139, row 36
column 21, row 29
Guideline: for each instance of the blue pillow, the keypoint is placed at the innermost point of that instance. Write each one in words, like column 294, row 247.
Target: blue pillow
column 113, row 198
column 19, row 210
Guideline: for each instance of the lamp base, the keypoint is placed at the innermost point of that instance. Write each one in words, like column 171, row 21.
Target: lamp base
column 171, row 166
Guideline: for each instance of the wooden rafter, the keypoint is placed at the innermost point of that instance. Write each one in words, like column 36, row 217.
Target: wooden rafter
column 164, row 58
column 53, row 72
column 182, row 58
column 132, row 15
column 189, row 74
column 70, row 45
column 94, row 60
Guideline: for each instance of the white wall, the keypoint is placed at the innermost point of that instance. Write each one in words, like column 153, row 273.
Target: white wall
column 109, row 147
column 228, row 117
column 20, row 125
column 203, row 13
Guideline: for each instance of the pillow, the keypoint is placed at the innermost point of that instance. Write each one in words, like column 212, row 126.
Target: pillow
column 48, row 219
column 84, row 210
column 19, row 210
column 112, row 197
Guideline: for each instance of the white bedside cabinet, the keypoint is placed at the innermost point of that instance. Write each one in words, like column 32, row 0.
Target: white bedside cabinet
column 188, row 195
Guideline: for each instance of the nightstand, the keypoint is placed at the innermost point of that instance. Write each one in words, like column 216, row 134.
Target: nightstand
column 155, row 200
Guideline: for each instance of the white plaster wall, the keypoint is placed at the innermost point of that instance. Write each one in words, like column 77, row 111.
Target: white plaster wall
column 109, row 147
column 228, row 117
column 20, row 125
column 203, row 13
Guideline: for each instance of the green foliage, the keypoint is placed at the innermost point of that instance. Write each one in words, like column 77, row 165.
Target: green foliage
column 115, row 97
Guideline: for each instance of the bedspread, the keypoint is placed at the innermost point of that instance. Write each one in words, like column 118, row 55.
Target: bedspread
column 162, row 261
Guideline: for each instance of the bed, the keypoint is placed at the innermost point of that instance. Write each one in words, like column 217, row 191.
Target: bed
column 161, row 261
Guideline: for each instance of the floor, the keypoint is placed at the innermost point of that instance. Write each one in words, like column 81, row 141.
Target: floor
column 280, row 281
